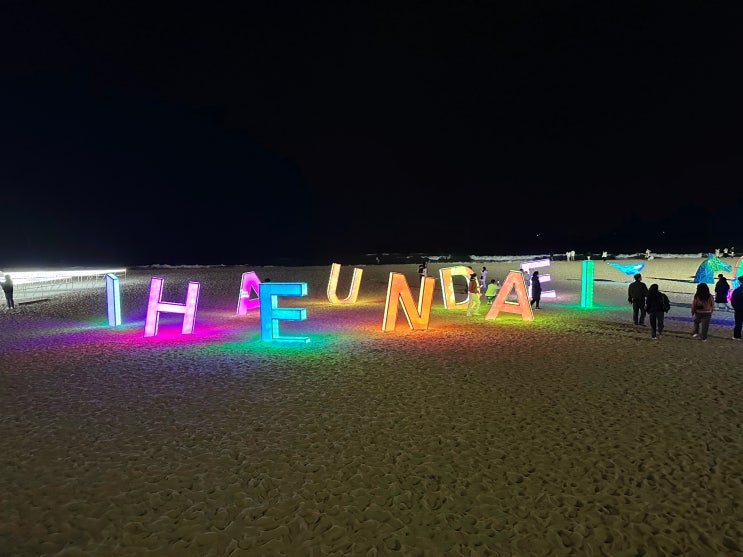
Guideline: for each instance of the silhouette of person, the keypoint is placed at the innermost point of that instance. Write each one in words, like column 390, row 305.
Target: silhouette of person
column 702, row 306
column 483, row 278
column 654, row 309
column 636, row 294
column 7, row 286
column 536, row 290
column 721, row 291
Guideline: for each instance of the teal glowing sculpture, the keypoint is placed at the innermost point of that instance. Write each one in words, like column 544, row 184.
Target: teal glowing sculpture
column 708, row 268
column 271, row 313
column 113, row 299
column 586, row 284
column 630, row 269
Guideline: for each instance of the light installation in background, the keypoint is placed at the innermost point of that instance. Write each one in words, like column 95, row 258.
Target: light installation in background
column 630, row 269
column 737, row 274
column 271, row 313
column 398, row 289
column 586, row 284
column 155, row 307
column 529, row 266
column 447, row 285
column 113, row 300
column 250, row 283
column 335, row 270
column 708, row 268
column 514, row 281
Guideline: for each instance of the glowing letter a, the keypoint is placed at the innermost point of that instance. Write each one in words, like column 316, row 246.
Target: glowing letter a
column 155, row 306
column 397, row 287
column 335, row 270
column 514, row 280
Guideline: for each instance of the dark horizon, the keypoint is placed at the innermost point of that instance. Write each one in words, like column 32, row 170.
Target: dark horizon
column 262, row 134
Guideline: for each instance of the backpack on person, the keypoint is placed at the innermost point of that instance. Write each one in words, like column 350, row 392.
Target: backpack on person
column 666, row 302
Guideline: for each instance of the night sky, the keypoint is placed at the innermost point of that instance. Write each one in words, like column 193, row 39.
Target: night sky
column 275, row 132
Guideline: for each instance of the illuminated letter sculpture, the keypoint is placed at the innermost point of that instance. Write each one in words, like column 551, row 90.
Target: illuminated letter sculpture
column 447, row 285
column 529, row 266
column 244, row 302
column 514, row 280
column 113, row 299
column 335, row 270
column 397, row 288
column 586, row 284
column 271, row 313
column 155, row 306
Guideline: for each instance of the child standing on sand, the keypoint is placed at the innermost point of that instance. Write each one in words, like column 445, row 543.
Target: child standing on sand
column 491, row 291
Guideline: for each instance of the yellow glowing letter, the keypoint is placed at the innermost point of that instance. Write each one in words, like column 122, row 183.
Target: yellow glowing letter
column 398, row 288
column 514, row 280
column 447, row 285
column 335, row 270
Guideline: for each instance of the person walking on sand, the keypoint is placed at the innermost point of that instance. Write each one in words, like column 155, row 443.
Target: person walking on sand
column 721, row 292
column 491, row 291
column 636, row 294
column 655, row 308
column 473, row 306
column 536, row 290
column 7, row 286
column 483, row 278
column 702, row 306
column 736, row 300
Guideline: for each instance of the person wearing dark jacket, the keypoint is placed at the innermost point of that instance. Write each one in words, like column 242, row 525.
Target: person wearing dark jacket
column 654, row 307
column 721, row 291
column 736, row 300
column 7, row 286
column 536, row 290
column 636, row 294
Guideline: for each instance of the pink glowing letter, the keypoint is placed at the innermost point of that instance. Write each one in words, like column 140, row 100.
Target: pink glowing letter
column 514, row 280
column 397, row 287
column 447, row 285
column 244, row 302
column 155, row 306
column 335, row 270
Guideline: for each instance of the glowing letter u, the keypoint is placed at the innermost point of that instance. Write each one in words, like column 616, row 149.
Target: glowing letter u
column 335, row 270
column 155, row 306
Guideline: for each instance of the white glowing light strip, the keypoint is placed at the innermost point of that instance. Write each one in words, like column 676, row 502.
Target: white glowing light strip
column 29, row 277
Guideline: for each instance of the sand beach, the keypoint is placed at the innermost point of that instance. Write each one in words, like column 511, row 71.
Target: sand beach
column 573, row 434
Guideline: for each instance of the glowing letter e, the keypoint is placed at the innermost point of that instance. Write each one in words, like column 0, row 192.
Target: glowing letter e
column 271, row 313
column 155, row 307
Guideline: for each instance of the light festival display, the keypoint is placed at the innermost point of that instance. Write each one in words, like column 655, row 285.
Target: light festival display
column 249, row 285
column 529, row 267
column 353, row 294
column 630, row 269
column 113, row 300
column 272, row 314
column 156, row 306
column 398, row 289
column 586, row 284
column 514, row 282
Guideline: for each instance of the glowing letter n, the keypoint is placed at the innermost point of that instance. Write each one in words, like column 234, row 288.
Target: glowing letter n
column 155, row 306
column 244, row 301
column 514, row 280
column 397, row 288
column 113, row 299
column 335, row 270
column 271, row 313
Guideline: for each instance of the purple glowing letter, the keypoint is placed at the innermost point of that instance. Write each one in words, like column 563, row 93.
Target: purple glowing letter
column 244, row 301
column 155, row 306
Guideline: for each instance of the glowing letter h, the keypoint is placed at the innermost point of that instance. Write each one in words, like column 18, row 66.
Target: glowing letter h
column 155, row 306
